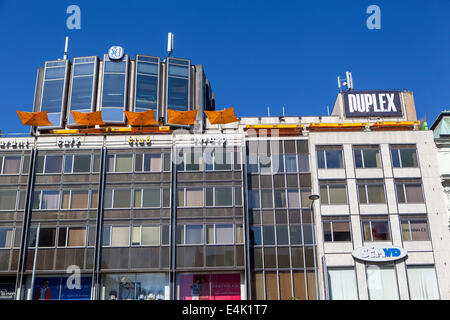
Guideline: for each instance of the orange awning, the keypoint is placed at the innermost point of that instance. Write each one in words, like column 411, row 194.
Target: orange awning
column 181, row 117
column 34, row 119
column 221, row 117
column 87, row 119
column 145, row 118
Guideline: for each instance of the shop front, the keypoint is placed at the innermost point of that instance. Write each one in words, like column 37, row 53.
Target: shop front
column 135, row 286
column 61, row 288
column 209, row 286
column 7, row 288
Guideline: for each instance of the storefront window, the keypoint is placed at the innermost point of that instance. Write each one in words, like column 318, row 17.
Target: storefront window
column 382, row 282
column 136, row 286
column 209, row 286
column 61, row 288
column 342, row 284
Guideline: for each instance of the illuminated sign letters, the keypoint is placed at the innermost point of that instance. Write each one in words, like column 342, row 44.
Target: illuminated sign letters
column 379, row 253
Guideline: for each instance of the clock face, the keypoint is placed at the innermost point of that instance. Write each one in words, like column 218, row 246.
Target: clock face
column 115, row 53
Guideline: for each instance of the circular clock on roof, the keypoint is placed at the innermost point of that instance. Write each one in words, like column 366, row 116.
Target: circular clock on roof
column 115, row 53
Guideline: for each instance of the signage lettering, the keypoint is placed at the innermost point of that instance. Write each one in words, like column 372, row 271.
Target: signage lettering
column 372, row 104
column 139, row 141
column 379, row 253
column 14, row 144
column 70, row 142
column 202, row 141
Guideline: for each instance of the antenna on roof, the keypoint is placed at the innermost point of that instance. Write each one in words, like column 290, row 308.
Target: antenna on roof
column 66, row 47
column 347, row 82
column 283, row 112
column 268, row 111
column 170, row 43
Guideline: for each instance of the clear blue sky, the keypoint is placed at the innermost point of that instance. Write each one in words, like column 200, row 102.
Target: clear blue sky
column 255, row 53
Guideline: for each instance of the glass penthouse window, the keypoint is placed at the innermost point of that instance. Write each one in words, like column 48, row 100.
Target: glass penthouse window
column 178, row 71
column 114, row 89
column 146, row 94
column 53, row 90
column 83, row 86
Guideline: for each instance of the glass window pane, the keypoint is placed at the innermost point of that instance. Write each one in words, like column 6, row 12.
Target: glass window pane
column 268, row 235
column 81, row 97
column 113, row 91
column 406, row 235
column 382, row 283
column 291, row 163
column 150, row 236
column 362, row 194
column 210, row 234
column 224, row 197
column 194, row 197
column 82, row 163
column 108, row 199
column 321, row 159
column 253, row 199
column 414, row 193
column 327, row 234
column 282, row 235
column 376, row 193
column 138, row 198
column 380, row 231
column 65, row 203
column 367, row 232
column 136, row 236
column 334, row 159
column 122, row 198
column 324, row 195
column 50, row 200
column 342, row 283
column 120, row 236
column 52, row 97
column 124, row 163
column 395, row 158
column 293, row 199
column 62, row 237
column 6, row 238
column 8, row 200
column 146, row 91
column 400, row 193
column 53, row 164
column 296, row 234
column 266, row 199
column 180, row 198
column 422, row 283
column 80, row 199
column 280, row 199
column 77, row 237
column 152, row 163
column 409, row 158
column 152, row 198
column 194, row 234
column 68, row 164
column 338, row 194
column 47, row 237
column 106, row 236
column 239, row 234
column 341, row 231
column 372, row 158
column 178, row 94
column 224, row 234
column 255, row 236
column 11, row 165
column 419, row 230
column 358, row 158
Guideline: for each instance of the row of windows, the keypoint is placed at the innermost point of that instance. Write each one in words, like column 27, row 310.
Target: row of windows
column 210, row 160
column 209, row 197
column 382, row 283
column 65, row 199
column 14, row 164
column 147, row 162
column 331, row 157
column 370, row 192
column 289, row 163
column 290, row 198
column 69, row 163
column 282, row 235
column 210, row 234
column 414, row 228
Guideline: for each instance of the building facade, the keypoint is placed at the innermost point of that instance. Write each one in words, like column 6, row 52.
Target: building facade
column 217, row 211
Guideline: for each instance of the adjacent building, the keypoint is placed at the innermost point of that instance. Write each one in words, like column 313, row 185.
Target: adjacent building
column 217, row 211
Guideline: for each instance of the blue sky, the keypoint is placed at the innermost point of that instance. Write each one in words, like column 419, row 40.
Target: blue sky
column 255, row 53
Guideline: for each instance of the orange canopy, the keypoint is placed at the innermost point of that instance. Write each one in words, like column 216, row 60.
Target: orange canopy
column 221, row 117
column 145, row 118
column 34, row 119
column 181, row 117
column 87, row 119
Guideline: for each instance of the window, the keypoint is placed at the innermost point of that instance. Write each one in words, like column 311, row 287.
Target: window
column 342, row 284
column 252, row 163
column 46, row 200
column 330, row 157
column 53, row 90
column 47, row 237
column 291, row 163
column 152, row 162
column 78, row 200
column 117, row 198
column 375, row 228
column 11, row 164
column 53, row 164
column 71, row 237
column 255, row 235
column 8, row 199
column 146, row 236
column 6, row 238
column 220, row 234
column 113, row 101
column 120, row 163
column 336, row 229
column 79, row 163
column 280, row 199
column 222, row 160
column 116, row 236
column 414, row 228
column 367, row 157
column 194, row 197
column 422, row 283
column 253, row 199
column 147, row 72
column 190, row 234
column 382, row 282
column 293, row 199
column 178, row 84
column 147, row 198
column 404, row 157
column 409, row 191
column 333, row 192
column 219, row 197
column 371, row 191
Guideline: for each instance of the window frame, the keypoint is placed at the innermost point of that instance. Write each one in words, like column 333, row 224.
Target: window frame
column 361, row 150
column 370, row 220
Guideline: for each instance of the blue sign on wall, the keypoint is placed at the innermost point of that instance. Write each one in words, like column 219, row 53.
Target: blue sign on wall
column 56, row 288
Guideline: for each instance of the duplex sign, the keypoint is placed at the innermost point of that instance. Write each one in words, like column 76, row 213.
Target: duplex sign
column 372, row 104
column 379, row 253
